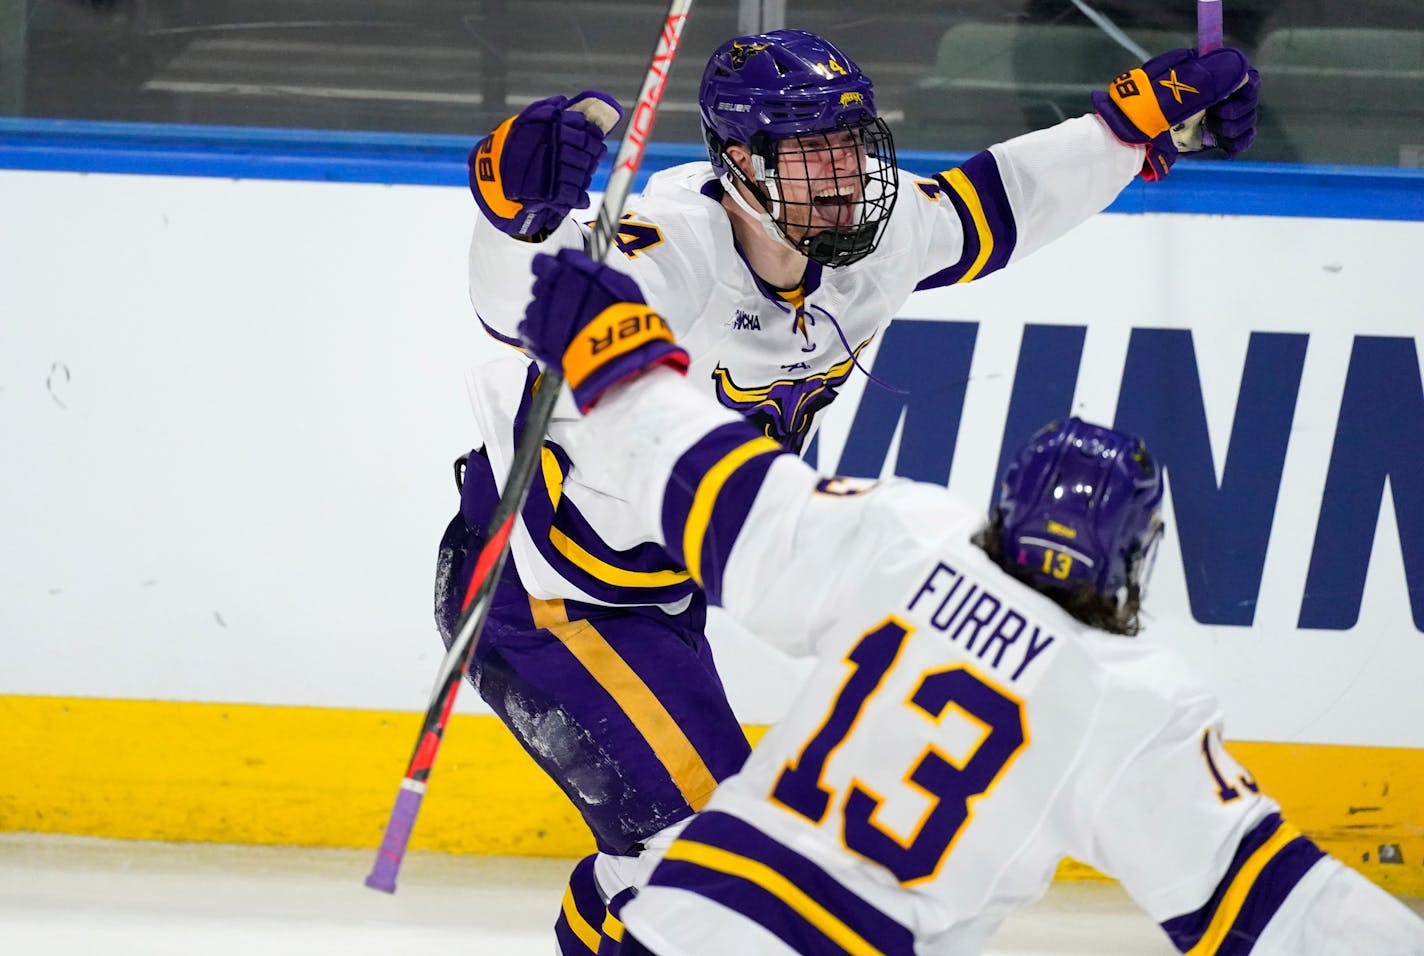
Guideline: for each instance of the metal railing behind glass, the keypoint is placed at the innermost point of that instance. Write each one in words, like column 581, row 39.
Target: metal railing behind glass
column 1343, row 80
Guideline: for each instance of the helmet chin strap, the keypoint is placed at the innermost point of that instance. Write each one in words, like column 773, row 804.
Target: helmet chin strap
column 768, row 224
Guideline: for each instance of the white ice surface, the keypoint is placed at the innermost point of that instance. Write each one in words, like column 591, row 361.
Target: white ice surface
column 72, row 895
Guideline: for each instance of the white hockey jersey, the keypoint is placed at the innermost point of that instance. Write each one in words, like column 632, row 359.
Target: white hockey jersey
column 960, row 735
column 773, row 356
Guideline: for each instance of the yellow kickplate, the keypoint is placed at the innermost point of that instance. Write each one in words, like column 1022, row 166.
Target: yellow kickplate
column 238, row 773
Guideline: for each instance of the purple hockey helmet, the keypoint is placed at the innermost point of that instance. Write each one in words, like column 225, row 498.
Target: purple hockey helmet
column 1081, row 504
column 759, row 91
column 778, row 85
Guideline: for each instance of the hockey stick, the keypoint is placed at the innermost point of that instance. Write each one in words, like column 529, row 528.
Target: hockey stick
column 1208, row 25
column 1191, row 134
column 521, row 473
column 1208, row 39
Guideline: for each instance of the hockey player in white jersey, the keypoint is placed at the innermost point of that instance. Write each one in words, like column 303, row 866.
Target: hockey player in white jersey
column 978, row 710
column 777, row 262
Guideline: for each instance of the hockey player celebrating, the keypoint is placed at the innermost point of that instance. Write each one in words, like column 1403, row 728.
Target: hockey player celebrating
column 777, row 262
column 975, row 714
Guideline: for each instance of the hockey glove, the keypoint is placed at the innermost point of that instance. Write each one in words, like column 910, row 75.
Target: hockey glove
column 535, row 167
column 594, row 322
column 1145, row 104
column 1232, row 122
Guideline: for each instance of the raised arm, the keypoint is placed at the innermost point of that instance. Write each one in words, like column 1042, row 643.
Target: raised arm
column 1017, row 196
column 527, row 176
column 1195, row 842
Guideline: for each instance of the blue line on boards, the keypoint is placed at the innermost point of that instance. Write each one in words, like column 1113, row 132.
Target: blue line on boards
column 1241, row 188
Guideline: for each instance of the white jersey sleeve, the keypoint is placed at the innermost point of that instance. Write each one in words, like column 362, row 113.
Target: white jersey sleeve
column 1195, row 843
column 1009, row 200
column 695, row 488
column 500, row 275
column 665, row 246
column 1057, row 177
column 742, row 514
column 1335, row 911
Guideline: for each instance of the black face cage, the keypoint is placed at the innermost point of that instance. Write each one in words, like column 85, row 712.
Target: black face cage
column 879, row 187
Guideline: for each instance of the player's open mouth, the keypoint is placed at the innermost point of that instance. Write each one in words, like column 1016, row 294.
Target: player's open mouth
column 835, row 206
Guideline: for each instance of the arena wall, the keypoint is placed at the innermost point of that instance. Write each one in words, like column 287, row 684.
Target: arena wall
column 232, row 385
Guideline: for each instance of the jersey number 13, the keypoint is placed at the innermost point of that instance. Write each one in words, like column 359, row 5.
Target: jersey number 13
column 951, row 784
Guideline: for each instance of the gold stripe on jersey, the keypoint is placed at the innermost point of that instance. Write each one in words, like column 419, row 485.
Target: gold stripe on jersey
column 648, row 715
column 796, row 298
column 553, row 475
column 773, row 882
column 613, row 928
column 579, row 556
column 699, row 516
column 608, row 573
column 1230, row 906
column 970, row 196
column 580, row 926
column 616, row 331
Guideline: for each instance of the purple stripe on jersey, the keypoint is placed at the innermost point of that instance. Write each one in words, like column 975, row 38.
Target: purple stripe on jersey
column 1270, row 888
column 982, row 171
column 768, row 291
column 630, row 946
column 1268, row 892
column 542, row 518
column 620, row 900
column 588, row 907
column 495, row 333
column 812, row 280
column 521, row 415
column 784, row 918
column 730, row 507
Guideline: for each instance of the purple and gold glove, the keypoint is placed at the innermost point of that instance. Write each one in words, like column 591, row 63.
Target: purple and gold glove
column 1232, row 122
column 593, row 321
column 535, row 167
column 1145, row 104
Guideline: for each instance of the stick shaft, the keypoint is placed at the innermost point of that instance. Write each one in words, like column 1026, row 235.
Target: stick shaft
column 1208, row 39
column 1208, row 25
column 640, row 126
column 527, row 455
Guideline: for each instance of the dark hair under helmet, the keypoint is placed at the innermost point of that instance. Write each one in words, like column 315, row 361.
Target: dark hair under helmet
column 790, row 85
column 1081, row 505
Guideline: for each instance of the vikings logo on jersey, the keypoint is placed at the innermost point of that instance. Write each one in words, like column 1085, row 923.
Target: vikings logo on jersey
column 785, row 409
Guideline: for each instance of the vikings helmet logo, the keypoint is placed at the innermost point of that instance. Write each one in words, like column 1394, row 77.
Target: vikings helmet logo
column 741, row 52
column 785, row 409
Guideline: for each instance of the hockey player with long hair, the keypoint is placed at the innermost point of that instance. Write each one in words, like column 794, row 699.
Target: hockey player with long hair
column 777, row 262
column 978, row 711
